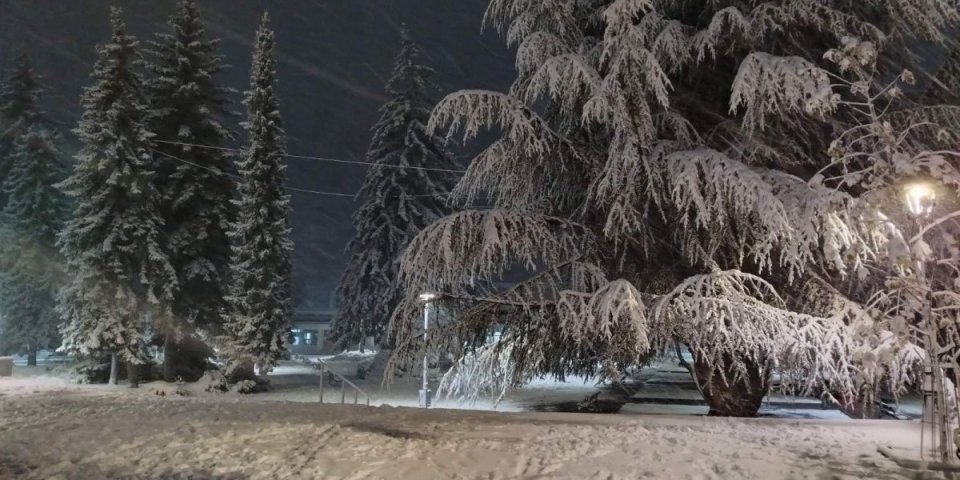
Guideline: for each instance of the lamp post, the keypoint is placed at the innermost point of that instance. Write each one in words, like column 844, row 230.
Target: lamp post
column 919, row 198
column 427, row 299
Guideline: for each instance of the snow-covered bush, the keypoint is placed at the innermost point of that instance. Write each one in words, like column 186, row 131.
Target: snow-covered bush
column 216, row 382
column 246, row 387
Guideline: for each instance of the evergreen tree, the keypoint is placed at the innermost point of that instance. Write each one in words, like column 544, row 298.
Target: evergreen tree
column 185, row 103
column 119, row 277
column 34, row 213
column 399, row 198
column 660, row 171
column 260, row 306
column 19, row 95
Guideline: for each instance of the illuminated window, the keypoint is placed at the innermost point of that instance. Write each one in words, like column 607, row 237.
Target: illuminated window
column 304, row 337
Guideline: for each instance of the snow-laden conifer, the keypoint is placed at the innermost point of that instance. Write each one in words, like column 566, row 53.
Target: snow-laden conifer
column 399, row 198
column 33, row 215
column 187, row 104
column 259, row 304
column 119, row 279
column 687, row 143
column 19, row 94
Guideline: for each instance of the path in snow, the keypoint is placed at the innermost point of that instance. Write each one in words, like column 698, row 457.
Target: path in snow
column 83, row 433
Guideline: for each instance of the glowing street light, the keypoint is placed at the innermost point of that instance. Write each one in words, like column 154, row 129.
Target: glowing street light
column 426, row 298
column 919, row 197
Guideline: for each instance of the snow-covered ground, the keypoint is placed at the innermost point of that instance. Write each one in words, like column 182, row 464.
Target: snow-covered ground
column 300, row 383
column 79, row 432
column 50, row 428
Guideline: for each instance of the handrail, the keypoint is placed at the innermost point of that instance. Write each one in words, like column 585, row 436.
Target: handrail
column 357, row 391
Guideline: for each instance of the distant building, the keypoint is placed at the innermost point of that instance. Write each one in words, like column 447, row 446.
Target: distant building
column 308, row 334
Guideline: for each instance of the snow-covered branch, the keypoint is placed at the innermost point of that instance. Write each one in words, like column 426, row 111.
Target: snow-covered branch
column 770, row 85
column 483, row 244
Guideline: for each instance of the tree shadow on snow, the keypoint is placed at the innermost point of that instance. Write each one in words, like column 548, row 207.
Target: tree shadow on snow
column 181, row 475
column 11, row 467
column 869, row 467
column 386, row 431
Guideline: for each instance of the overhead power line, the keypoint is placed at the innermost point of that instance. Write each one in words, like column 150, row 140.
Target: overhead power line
column 292, row 189
column 236, row 177
column 319, row 159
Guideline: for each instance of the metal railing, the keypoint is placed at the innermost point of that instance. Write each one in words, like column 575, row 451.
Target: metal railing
column 324, row 369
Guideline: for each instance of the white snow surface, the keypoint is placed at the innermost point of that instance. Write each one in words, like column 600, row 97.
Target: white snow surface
column 50, row 429
column 299, row 383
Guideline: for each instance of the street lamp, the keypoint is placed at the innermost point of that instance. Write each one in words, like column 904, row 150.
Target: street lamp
column 427, row 299
column 919, row 198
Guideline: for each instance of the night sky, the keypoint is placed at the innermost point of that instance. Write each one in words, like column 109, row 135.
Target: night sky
column 334, row 58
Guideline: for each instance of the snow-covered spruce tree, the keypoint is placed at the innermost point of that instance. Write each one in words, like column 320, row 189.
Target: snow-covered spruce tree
column 398, row 198
column 119, row 279
column 653, row 175
column 34, row 213
column 186, row 104
column 260, row 309
column 19, row 94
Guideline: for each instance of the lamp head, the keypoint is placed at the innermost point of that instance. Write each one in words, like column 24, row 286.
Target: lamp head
column 919, row 198
column 427, row 297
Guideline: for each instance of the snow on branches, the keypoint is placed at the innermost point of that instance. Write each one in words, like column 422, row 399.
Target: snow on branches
column 487, row 372
column 532, row 167
column 471, row 111
column 396, row 203
column 518, row 19
column 475, row 244
column 771, row 85
column 727, row 22
column 120, row 279
column 671, row 166
column 607, row 313
column 259, row 306
column 734, row 315
column 536, row 49
column 712, row 192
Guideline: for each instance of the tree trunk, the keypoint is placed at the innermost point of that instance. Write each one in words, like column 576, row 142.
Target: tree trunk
column 860, row 408
column 32, row 357
column 728, row 395
column 184, row 357
column 133, row 374
column 114, row 369
column 240, row 370
column 169, row 352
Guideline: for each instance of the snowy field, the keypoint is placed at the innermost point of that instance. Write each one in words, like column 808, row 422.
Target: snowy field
column 49, row 429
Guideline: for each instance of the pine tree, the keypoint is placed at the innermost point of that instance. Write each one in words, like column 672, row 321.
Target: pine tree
column 19, row 95
column 185, row 103
column 660, row 174
column 34, row 213
column 120, row 280
column 260, row 306
column 399, row 198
